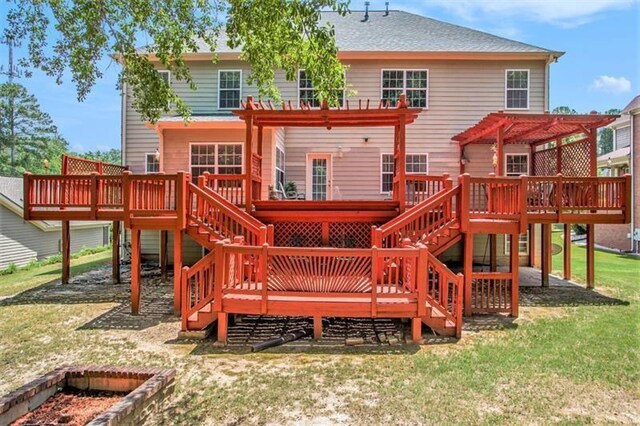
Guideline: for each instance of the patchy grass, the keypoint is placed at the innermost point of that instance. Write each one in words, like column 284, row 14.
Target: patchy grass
column 579, row 367
column 29, row 277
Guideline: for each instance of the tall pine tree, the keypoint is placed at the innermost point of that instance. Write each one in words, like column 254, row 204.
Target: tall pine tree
column 34, row 137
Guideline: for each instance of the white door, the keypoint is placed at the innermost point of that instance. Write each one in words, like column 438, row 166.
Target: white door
column 318, row 177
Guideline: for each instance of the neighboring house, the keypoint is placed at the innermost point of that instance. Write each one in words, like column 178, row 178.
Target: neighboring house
column 23, row 241
column 625, row 158
column 456, row 74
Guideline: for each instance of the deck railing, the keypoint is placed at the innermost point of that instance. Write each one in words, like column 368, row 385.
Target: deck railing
column 445, row 289
column 492, row 292
column 419, row 188
column 219, row 217
column 421, row 223
column 197, row 286
column 231, row 187
column 155, row 196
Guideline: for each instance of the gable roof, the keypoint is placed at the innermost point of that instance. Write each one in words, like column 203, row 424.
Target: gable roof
column 401, row 31
column 633, row 105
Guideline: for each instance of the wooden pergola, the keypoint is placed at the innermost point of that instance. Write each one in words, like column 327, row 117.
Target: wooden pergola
column 559, row 144
column 258, row 115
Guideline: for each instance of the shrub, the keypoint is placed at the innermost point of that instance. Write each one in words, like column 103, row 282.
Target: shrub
column 579, row 229
column 12, row 268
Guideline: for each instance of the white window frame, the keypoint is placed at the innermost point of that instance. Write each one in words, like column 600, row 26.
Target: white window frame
column 513, row 154
column 168, row 73
column 220, row 71
column 382, row 154
column 276, row 168
column 344, row 90
column 242, row 165
column 507, row 243
column 146, row 163
column 506, row 89
column 404, row 82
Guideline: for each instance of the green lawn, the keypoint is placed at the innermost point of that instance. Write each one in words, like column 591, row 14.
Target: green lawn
column 25, row 279
column 568, row 362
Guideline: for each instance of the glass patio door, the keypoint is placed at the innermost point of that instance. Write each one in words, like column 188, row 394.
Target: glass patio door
column 319, row 177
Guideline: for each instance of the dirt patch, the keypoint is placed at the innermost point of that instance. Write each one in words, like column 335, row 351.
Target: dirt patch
column 70, row 407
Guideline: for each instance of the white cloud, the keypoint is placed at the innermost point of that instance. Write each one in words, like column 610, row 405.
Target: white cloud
column 608, row 84
column 564, row 13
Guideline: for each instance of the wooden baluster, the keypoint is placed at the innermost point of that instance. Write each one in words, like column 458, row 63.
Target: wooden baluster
column 374, row 281
column 264, row 277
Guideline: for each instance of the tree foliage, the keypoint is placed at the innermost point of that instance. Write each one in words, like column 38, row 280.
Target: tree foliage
column 73, row 36
column 35, row 139
column 605, row 136
column 564, row 110
column 113, row 156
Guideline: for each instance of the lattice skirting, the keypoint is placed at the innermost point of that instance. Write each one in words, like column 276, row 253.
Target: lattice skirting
column 318, row 234
column 297, row 234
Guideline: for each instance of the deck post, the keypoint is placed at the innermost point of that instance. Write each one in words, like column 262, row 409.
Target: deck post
column 416, row 329
column 317, row 327
column 467, row 271
column 493, row 252
column 402, row 159
column 66, row 252
column 566, row 270
column 163, row 253
column 500, row 151
column 223, row 322
column 590, row 256
column 177, row 268
column 135, row 271
column 532, row 245
column 545, row 255
column 515, row 274
column 115, row 252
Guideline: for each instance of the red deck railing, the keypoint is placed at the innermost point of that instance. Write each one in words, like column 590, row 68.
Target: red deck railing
column 419, row 188
column 231, row 187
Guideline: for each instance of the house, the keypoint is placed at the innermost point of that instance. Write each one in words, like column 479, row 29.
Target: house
column 24, row 241
column 623, row 159
column 443, row 160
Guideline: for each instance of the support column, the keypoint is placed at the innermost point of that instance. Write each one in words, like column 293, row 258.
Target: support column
column 223, row 319
column 135, row 271
column 500, row 151
column 115, row 252
column 493, row 252
column 545, row 254
column 177, row 269
column 515, row 274
column 532, row 245
column 402, row 168
column 467, row 271
column 566, row 270
column 416, row 330
column 163, row 254
column 591, row 256
column 66, row 252
column 317, row 327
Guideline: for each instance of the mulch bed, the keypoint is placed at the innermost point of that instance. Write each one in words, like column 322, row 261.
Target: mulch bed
column 70, row 407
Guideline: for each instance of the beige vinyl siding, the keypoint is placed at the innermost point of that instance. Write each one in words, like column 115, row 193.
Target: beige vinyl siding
column 22, row 242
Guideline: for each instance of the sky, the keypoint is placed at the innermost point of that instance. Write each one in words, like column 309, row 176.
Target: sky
column 600, row 70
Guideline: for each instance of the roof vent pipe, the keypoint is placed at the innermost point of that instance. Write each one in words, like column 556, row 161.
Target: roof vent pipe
column 386, row 8
column 366, row 11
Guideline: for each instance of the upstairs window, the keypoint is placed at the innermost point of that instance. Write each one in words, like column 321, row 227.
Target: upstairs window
column 229, row 89
column 415, row 164
column 152, row 164
column 414, row 83
column 516, row 89
column 280, row 176
column 216, row 158
column 307, row 94
column 516, row 164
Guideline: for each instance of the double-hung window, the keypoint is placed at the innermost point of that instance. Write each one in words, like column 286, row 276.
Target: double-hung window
column 280, row 176
column 523, row 244
column 151, row 163
column 216, row 158
column 516, row 164
column 307, row 94
column 516, row 94
column 415, row 164
column 229, row 89
column 415, row 83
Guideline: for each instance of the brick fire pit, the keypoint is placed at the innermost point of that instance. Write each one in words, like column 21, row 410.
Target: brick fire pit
column 142, row 391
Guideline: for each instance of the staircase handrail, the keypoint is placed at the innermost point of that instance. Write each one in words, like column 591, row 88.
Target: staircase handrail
column 453, row 313
column 189, row 306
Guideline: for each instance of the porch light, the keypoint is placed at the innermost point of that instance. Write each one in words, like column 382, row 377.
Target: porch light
column 609, row 162
column 340, row 152
column 157, row 155
column 365, row 138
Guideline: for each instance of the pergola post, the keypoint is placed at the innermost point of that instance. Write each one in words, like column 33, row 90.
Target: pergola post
column 248, row 153
column 558, row 156
column 115, row 252
column 500, row 151
column 402, row 167
column 66, row 252
column 593, row 169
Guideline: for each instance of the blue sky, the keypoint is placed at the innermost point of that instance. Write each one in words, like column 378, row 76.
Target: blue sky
column 600, row 70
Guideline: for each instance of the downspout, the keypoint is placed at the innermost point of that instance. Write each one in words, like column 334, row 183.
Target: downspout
column 550, row 59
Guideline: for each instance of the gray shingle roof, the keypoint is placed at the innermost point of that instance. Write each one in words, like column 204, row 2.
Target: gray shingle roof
column 11, row 188
column 407, row 32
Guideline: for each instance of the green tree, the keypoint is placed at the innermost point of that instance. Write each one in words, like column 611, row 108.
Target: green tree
column 605, row 135
column 563, row 110
column 72, row 36
column 35, row 137
column 113, row 156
